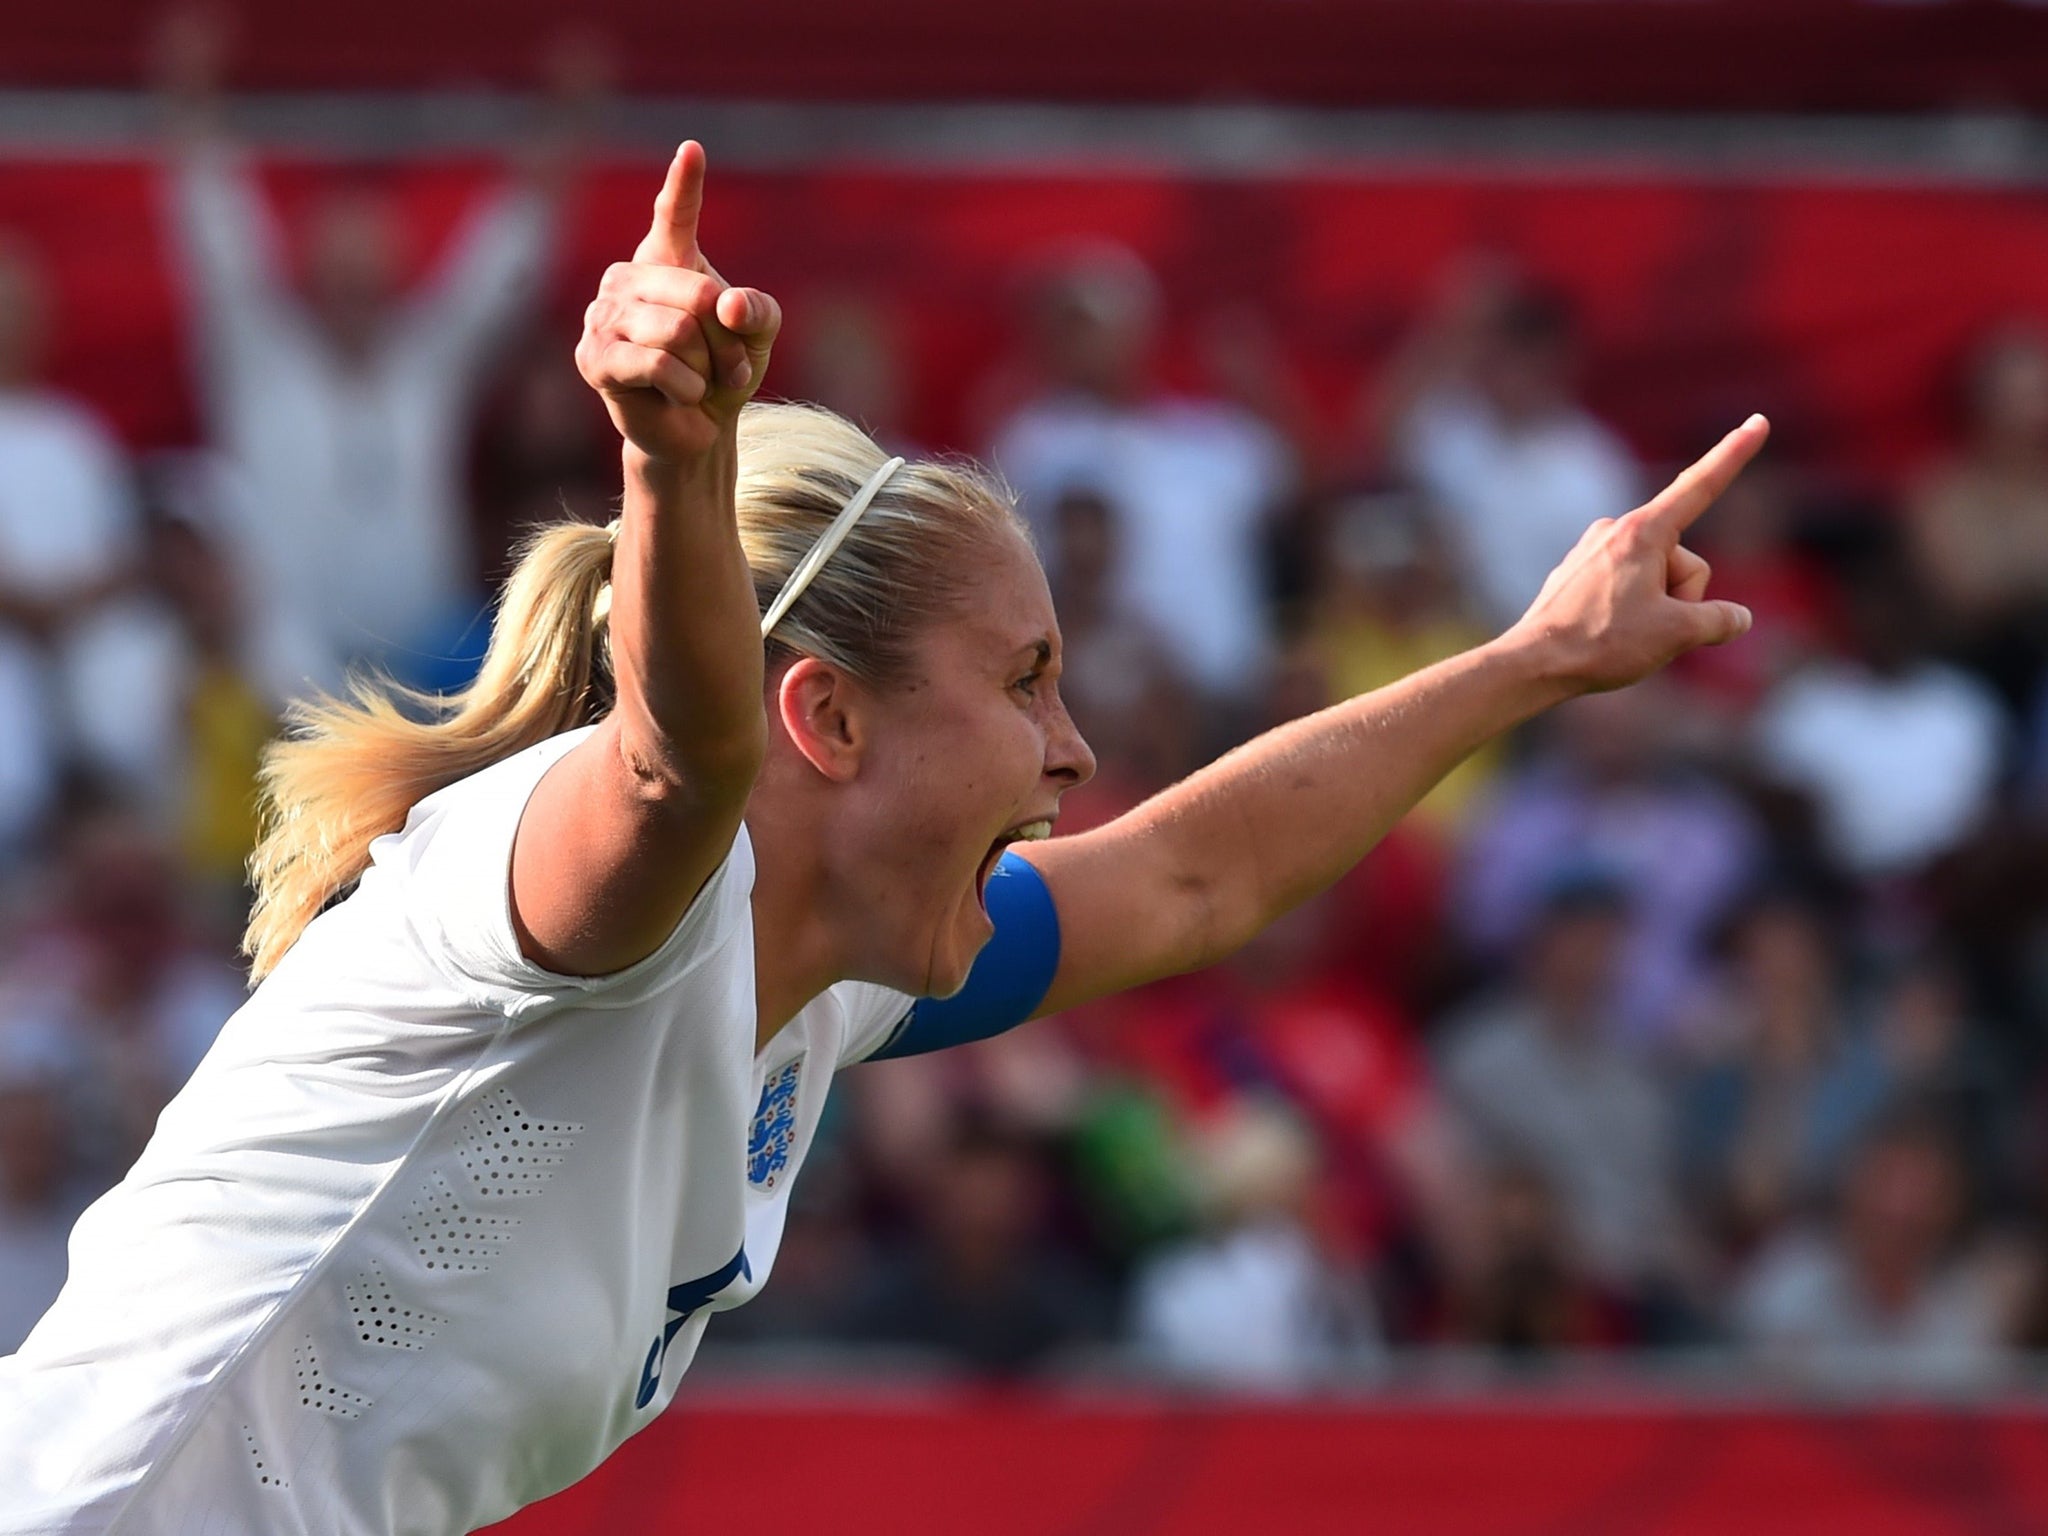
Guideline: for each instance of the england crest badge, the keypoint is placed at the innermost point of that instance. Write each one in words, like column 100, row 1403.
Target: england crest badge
column 772, row 1137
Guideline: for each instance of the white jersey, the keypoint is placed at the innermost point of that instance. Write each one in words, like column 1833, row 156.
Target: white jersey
column 431, row 1230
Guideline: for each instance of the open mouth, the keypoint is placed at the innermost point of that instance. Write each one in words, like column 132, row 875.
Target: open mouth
column 1025, row 832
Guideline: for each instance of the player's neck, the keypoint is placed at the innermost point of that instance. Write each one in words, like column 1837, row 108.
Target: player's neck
column 797, row 949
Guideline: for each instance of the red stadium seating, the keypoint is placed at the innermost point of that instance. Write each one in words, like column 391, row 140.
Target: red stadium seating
column 1829, row 304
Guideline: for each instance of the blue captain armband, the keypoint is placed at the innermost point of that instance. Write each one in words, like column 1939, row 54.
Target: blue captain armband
column 1011, row 975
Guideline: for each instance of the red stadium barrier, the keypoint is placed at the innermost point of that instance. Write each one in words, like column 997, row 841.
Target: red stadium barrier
column 1842, row 309
column 1658, row 55
column 1027, row 1466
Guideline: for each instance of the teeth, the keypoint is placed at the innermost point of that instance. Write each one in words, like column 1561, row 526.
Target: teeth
column 1033, row 832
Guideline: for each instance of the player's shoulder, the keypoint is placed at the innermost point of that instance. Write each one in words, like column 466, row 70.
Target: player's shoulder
column 858, row 1017
column 444, row 877
column 527, row 765
column 492, row 797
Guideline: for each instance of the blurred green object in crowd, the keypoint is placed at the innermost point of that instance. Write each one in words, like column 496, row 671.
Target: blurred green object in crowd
column 1130, row 1162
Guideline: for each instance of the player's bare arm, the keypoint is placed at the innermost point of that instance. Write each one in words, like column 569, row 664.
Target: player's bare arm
column 624, row 831
column 1191, row 875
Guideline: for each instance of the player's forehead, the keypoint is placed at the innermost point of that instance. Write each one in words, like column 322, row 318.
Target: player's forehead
column 1006, row 607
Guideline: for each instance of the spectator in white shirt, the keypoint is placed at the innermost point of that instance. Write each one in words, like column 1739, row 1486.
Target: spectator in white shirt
column 1902, row 755
column 343, row 408
column 1253, row 1302
column 1480, row 410
column 1192, row 482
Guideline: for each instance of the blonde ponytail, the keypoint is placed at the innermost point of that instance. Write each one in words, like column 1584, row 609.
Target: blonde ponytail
column 348, row 771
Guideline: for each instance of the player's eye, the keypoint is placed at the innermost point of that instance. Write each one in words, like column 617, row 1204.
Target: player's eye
column 1028, row 684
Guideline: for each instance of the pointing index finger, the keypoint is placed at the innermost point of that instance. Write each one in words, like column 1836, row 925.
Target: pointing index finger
column 672, row 238
column 1679, row 504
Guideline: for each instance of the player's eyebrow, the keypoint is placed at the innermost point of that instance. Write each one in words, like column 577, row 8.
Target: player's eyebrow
column 1040, row 649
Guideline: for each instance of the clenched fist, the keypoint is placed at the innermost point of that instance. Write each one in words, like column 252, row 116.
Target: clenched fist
column 673, row 348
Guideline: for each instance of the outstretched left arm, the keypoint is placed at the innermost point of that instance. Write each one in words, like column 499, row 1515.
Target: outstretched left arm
column 1193, row 873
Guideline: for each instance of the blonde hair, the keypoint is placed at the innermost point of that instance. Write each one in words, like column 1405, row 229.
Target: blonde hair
column 347, row 771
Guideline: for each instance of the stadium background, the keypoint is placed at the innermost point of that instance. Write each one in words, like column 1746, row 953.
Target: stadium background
column 1330, row 1238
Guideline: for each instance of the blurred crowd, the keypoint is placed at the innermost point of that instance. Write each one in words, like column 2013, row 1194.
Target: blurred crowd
column 1697, row 1017
column 1702, row 1015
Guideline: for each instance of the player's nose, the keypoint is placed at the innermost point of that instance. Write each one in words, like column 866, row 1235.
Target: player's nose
column 1068, row 756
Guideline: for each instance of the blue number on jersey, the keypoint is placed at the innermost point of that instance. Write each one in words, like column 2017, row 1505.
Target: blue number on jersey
column 683, row 1300
column 1010, row 977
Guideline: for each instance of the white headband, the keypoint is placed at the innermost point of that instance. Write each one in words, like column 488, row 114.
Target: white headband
column 814, row 561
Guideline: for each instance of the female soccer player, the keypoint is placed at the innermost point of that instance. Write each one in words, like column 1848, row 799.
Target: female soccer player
column 555, row 985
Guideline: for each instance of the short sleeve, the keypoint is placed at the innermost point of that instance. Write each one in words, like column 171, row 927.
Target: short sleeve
column 873, row 1015
column 450, row 871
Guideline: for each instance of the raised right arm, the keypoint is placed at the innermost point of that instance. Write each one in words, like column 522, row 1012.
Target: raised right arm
column 227, row 243
column 623, row 832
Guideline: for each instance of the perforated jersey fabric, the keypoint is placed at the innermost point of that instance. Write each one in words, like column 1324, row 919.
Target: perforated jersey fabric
column 431, row 1230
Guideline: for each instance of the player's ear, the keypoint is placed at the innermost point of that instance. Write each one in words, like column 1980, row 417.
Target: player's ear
column 819, row 709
